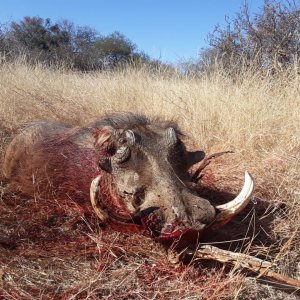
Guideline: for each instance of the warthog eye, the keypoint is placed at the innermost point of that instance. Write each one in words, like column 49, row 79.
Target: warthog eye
column 122, row 154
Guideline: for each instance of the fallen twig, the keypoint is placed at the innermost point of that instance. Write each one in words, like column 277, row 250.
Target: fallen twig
column 244, row 262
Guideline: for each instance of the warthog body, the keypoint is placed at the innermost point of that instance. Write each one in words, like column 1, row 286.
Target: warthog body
column 141, row 167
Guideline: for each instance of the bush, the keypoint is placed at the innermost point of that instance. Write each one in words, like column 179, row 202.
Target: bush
column 78, row 47
column 268, row 41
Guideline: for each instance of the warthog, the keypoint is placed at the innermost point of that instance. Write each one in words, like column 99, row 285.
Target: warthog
column 135, row 170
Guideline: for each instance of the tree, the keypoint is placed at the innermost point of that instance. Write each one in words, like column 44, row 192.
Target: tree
column 78, row 47
column 115, row 48
column 270, row 40
column 38, row 33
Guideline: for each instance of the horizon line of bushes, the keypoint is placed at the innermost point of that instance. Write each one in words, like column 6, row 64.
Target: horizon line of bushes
column 64, row 43
column 267, row 41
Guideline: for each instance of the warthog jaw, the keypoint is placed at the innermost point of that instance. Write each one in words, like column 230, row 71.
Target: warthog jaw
column 224, row 212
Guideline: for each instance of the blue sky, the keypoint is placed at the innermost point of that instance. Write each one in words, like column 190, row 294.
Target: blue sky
column 170, row 30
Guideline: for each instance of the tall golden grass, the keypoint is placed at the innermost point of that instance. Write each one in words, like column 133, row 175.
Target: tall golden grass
column 256, row 116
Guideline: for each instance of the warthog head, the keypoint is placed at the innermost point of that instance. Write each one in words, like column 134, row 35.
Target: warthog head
column 148, row 164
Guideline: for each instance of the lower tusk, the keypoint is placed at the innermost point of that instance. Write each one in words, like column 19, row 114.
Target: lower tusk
column 235, row 206
column 94, row 196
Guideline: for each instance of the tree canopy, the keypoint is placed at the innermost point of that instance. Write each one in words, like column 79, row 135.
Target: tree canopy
column 79, row 47
column 268, row 40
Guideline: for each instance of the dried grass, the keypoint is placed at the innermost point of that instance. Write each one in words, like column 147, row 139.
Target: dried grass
column 54, row 250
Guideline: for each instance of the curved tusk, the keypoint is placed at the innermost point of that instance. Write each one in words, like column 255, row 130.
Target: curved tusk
column 235, row 206
column 94, row 197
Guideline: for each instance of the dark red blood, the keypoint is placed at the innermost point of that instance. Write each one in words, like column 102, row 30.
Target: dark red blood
column 170, row 232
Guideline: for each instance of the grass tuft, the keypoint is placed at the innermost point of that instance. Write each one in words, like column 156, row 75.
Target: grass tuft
column 51, row 250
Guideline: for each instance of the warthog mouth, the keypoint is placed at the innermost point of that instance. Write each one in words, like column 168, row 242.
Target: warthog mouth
column 148, row 219
column 151, row 219
column 169, row 231
column 152, row 222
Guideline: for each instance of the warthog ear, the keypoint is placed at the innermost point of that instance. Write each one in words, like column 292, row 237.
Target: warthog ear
column 105, row 144
column 105, row 141
column 103, row 135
